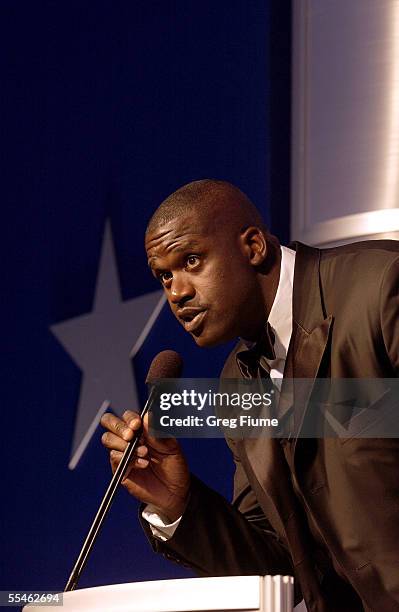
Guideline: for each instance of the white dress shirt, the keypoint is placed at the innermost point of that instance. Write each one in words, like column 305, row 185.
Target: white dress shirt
column 280, row 320
column 280, row 317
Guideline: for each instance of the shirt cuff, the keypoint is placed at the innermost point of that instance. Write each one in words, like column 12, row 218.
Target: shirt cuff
column 159, row 525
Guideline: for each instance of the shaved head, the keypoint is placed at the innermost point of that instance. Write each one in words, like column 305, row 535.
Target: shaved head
column 208, row 201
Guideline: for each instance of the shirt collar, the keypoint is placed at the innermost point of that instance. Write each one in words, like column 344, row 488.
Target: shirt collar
column 280, row 316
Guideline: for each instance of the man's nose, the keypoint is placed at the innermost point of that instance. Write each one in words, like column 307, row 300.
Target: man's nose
column 181, row 289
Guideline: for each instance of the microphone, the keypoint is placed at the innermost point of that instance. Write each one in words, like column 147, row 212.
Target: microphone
column 167, row 364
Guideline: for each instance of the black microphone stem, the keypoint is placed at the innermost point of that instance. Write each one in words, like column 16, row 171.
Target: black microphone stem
column 106, row 502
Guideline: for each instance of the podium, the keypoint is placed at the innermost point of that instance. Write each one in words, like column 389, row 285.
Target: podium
column 230, row 593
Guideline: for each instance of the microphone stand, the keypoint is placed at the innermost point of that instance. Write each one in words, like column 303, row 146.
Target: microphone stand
column 106, row 502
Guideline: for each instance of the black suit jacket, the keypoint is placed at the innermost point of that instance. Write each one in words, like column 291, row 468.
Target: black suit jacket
column 324, row 510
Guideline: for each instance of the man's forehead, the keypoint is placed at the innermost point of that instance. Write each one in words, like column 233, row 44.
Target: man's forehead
column 191, row 229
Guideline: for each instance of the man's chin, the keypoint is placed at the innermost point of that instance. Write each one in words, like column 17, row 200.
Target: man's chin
column 208, row 340
column 205, row 342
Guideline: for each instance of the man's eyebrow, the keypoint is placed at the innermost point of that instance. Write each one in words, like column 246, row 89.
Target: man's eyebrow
column 149, row 262
column 192, row 244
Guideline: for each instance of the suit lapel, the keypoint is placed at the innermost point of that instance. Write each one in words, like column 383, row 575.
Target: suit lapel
column 311, row 329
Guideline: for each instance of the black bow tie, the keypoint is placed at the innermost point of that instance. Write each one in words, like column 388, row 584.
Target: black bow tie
column 252, row 362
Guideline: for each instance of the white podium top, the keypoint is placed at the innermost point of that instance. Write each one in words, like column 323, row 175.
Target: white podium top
column 235, row 593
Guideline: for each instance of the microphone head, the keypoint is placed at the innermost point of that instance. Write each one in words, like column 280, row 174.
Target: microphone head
column 167, row 364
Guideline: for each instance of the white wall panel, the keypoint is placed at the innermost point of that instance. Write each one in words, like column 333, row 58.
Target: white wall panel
column 345, row 151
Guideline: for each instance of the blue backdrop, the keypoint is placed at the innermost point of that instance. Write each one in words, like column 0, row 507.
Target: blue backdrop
column 107, row 108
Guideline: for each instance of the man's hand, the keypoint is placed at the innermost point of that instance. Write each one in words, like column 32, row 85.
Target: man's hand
column 158, row 474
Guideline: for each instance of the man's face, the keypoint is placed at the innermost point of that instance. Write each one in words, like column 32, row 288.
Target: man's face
column 208, row 280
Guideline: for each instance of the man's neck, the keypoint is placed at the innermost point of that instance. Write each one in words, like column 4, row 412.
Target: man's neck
column 269, row 281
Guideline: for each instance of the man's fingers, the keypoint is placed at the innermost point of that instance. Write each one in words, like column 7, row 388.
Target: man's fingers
column 142, row 451
column 132, row 419
column 122, row 428
column 121, row 431
column 163, row 445
column 113, row 442
column 138, row 462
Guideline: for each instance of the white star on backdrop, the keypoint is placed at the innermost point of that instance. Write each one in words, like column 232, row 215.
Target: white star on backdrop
column 102, row 344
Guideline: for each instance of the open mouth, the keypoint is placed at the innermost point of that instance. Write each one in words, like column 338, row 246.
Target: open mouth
column 191, row 322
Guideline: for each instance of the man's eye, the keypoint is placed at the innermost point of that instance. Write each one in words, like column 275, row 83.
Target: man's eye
column 164, row 276
column 192, row 260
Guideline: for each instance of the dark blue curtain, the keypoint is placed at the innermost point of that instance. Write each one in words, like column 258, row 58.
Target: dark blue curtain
column 107, row 107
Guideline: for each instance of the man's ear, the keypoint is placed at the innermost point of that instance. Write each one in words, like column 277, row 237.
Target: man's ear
column 254, row 245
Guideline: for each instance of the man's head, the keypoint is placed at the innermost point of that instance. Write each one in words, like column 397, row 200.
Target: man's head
column 217, row 262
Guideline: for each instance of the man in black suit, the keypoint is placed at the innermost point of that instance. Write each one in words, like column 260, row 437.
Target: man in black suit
column 325, row 510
